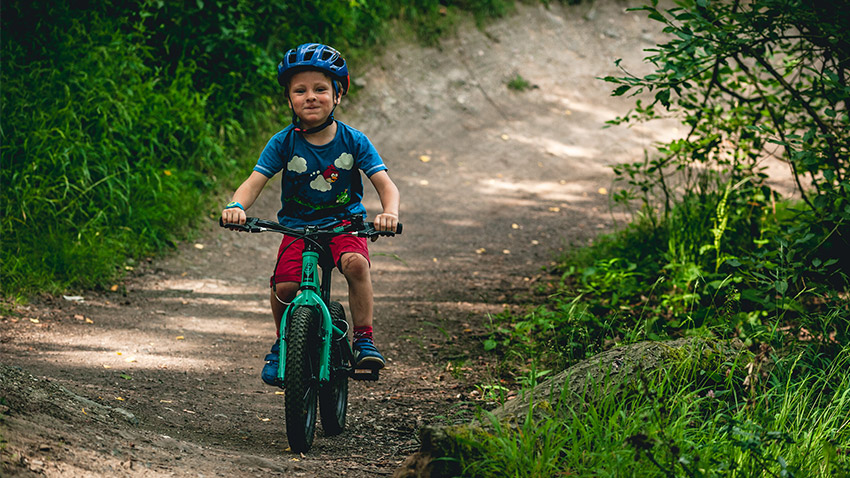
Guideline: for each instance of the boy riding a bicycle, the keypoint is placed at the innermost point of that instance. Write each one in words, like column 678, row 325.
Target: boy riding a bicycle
column 320, row 159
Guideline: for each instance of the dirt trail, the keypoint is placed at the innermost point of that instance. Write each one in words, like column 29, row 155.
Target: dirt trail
column 161, row 378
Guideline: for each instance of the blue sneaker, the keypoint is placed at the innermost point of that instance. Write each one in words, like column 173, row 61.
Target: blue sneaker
column 270, row 368
column 366, row 355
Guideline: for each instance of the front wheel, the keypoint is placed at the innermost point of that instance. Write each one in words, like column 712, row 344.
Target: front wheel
column 333, row 396
column 301, row 378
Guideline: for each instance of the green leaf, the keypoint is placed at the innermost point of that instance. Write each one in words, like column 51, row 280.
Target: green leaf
column 489, row 344
column 663, row 96
column 655, row 15
column 621, row 90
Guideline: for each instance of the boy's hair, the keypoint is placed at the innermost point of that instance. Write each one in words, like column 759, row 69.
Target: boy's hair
column 314, row 56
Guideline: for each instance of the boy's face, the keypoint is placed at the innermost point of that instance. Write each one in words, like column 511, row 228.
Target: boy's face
column 311, row 97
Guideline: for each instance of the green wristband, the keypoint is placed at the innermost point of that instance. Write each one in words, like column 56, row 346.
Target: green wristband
column 232, row 204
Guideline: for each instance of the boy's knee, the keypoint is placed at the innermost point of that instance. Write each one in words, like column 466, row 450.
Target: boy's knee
column 353, row 264
column 286, row 291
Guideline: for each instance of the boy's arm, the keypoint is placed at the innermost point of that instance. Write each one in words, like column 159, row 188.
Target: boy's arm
column 390, row 198
column 245, row 195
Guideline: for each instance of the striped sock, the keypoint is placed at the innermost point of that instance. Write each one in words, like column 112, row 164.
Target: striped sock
column 364, row 332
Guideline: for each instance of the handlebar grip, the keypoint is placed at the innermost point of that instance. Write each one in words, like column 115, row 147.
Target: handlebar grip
column 234, row 227
column 375, row 232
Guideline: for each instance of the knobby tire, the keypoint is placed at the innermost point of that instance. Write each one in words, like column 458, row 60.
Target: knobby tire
column 301, row 378
column 333, row 396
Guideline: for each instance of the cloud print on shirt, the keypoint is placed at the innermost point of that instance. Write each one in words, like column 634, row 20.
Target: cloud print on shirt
column 344, row 161
column 320, row 184
column 297, row 164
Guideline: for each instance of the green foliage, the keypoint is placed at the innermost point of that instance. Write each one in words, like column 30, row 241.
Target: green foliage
column 699, row 417
column 431, row 20
column 648, row 282
column 119, row 120
column 96, row 165
column 538, row 453
column 751, row 80
column 518, row 83
column 712, row 251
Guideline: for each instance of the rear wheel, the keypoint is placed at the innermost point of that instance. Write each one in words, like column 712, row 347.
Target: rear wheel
column 333, row 396
column 301, row 378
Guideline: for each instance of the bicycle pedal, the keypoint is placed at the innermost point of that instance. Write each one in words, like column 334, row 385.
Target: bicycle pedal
column 370, row 374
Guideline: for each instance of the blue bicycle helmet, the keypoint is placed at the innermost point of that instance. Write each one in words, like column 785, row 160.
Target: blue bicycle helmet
column 316, row 56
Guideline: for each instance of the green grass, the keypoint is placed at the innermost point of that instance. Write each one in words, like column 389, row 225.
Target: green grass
column 518, row 83
column 697, row 271
column 675, row 422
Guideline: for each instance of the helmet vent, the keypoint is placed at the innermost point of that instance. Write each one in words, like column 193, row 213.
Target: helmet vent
column 308, row 55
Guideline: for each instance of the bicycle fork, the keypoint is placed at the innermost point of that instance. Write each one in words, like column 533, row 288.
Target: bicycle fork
column 315, row 297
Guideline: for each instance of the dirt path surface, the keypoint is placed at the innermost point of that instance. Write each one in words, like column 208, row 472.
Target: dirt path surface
column 161, row 377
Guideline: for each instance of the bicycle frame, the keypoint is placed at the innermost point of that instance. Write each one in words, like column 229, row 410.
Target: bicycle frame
column 310, row 386
column 315, row 294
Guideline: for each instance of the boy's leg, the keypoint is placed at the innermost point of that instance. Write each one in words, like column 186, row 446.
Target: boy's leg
column 281, row 296
column 355, row 268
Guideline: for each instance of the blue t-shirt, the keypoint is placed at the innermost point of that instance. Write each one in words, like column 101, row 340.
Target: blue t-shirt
column 320, row 185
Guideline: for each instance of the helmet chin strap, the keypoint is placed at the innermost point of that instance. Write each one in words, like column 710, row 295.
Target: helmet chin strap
column 297, row 123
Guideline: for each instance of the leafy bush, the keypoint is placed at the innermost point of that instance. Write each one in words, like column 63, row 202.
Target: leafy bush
column 751, row 80
column 712, row 249
column 518, row 83
column 97, row 165
column 121, row 119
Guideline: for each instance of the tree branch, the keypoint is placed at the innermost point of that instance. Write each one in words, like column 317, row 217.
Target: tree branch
column 780, row 131
column 826, row 129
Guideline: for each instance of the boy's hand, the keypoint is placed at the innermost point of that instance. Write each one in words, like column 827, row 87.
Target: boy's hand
column 233, row 215
column 386, row 221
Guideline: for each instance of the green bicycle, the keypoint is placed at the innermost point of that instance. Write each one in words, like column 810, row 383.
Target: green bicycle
column 316, row 356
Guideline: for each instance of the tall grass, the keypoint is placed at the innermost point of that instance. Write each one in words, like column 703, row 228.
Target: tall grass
column 700, row 270
column 676, row 423
column 724, row 264
column 102, row 158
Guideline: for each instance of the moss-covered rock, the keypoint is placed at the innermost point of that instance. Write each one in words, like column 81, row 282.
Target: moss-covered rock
column 616, row 370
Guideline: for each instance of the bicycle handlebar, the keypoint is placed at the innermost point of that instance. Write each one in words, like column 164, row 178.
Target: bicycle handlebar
column 356, row 227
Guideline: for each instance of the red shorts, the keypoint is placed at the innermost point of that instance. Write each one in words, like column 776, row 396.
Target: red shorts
column 289, row 265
